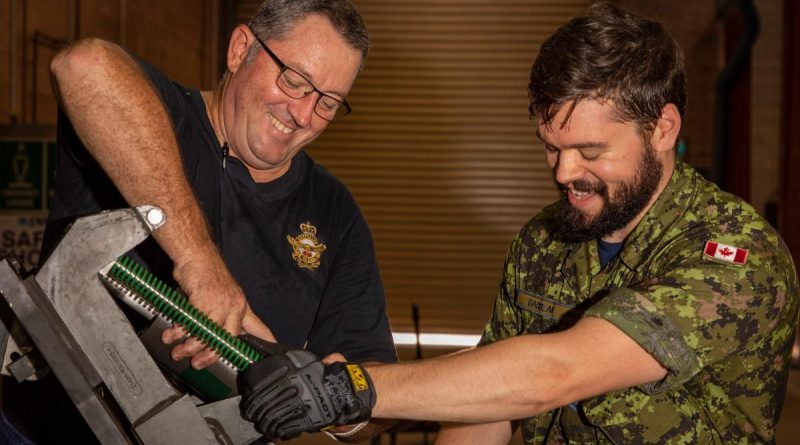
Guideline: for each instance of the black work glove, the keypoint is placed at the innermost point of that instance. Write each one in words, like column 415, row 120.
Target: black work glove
column 293, row 392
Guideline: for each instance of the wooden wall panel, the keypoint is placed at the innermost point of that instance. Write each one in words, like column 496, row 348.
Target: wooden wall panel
column 101, row 18
column 42, row 35
column 180, row 37
column 790, row 182
column 10, row 68
column 173, row 36
column 440, row 151
column 766, row 95
column 695, row 27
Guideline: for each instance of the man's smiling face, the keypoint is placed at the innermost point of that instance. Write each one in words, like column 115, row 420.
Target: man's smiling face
column 607, row 174
column 264, row 127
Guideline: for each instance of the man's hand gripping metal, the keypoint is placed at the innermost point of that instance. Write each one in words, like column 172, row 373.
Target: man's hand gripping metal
column 292, row 392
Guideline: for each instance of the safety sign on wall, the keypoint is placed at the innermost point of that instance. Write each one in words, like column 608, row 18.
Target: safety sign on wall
column 27, row 179
column 21, row 235
column 27, row 174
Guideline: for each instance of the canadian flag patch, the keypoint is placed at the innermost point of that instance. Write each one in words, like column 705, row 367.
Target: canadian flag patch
column 724, row 252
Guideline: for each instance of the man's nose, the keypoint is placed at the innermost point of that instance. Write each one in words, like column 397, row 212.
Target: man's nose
column 302, row 110
column 568, row 167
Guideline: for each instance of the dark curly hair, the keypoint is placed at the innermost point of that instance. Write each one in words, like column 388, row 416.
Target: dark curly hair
column 607, row 53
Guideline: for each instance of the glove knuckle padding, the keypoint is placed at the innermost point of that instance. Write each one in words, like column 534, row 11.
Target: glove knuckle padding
column 300, row 357
column 265, row 383
column 312, row 391
column 293, row 392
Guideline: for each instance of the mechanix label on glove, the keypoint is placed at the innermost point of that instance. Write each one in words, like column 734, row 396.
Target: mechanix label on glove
column 357, row 377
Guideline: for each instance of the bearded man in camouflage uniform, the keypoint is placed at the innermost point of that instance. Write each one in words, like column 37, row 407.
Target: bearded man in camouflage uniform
column 647, row 306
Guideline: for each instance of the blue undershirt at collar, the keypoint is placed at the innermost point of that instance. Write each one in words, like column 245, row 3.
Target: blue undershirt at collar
column 607, row 251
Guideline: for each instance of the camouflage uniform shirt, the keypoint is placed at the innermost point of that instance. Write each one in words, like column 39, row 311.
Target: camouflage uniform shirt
column 724, row 331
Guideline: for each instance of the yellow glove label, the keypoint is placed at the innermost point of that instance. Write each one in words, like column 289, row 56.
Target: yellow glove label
column 357, row 377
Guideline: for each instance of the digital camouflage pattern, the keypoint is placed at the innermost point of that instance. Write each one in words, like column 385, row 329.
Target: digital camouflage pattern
column 723, row 331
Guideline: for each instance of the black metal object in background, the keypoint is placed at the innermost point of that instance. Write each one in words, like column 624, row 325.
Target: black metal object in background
column 736, row 66
column 415, row 319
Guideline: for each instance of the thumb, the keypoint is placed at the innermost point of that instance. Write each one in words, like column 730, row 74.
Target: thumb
column 253, row 325
column 333, row 358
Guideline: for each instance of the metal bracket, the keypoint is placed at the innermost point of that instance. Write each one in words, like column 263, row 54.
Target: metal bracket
column 92, row 348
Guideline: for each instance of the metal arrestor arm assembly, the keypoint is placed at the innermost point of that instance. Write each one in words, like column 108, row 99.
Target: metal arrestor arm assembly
column 103, row 353
column 148, row 291
column 63, row 354
column 166, row 307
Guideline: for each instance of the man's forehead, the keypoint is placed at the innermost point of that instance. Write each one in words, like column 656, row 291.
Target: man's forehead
column 314, row 48
column 579, row 113
column 589, row 123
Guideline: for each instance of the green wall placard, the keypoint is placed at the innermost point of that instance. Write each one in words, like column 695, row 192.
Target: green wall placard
column 27, row 174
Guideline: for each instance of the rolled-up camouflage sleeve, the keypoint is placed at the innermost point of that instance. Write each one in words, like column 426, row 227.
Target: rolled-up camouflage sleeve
column 699, row 311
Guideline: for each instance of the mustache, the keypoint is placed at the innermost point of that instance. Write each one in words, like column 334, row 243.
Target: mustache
column 583, row 185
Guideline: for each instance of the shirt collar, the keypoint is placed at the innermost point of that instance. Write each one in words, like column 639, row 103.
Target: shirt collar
column 671, row 204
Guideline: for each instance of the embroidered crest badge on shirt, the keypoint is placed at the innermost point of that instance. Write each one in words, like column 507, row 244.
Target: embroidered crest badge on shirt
column 723, row 252
column 306, row 249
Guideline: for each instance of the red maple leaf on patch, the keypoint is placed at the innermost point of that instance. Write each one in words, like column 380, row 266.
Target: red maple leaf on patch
column 725, row 252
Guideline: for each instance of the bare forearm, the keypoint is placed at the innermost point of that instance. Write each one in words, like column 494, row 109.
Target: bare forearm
column 498, row 433
column 487, row 384
column 123, row 124
column 515, row 378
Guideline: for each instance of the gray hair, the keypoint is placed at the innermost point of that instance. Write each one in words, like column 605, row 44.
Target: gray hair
column 275, row 17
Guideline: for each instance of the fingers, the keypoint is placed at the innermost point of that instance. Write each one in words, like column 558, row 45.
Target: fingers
column 212, row 290
column 172, row 335
column 333, row 358
column 202, row 356
column 270, row 399
column 194, row 348
column 265, row 389
column 273, row 418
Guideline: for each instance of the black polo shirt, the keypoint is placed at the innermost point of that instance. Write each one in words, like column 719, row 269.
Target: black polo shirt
column 327, row 299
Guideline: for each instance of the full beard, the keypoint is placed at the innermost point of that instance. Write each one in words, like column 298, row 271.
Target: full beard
column 617, row 212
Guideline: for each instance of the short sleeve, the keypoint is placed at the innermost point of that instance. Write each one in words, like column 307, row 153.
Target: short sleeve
column 171, row 93
column 352, row 317
column 699, row 311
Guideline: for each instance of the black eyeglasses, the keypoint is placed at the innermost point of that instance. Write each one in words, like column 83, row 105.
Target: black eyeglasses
column 296, row 86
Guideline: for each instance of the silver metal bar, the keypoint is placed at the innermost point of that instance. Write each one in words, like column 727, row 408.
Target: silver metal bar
column 226, row 414
column 93, row 350
column 65, row 356
column 178, row 423
column 70, row 279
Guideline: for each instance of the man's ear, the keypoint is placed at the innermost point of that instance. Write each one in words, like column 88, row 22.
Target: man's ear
column 238, row 47
column 667, row 129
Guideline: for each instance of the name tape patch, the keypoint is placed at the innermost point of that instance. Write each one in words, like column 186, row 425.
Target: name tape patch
column 543, row 306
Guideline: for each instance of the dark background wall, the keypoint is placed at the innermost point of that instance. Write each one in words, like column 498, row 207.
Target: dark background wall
column 439, row 152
